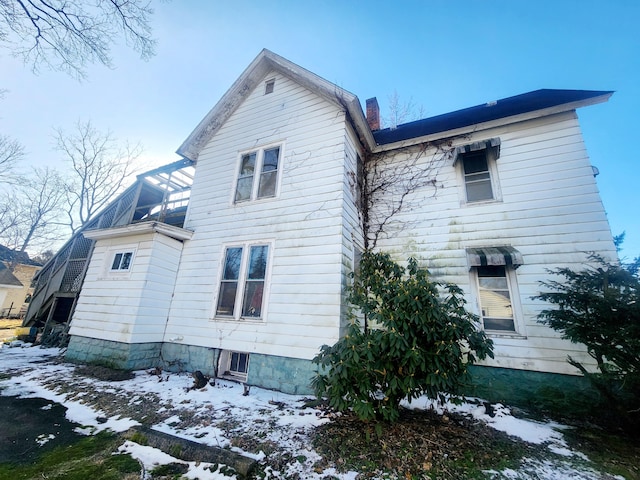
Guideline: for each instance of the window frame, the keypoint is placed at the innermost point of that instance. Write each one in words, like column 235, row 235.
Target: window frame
column 124, row 254
column 257, row 175
column 269, row 86
column 491, row 155
column 225, row 362
column 110, row 257
column 514, row 296
column 242, row 282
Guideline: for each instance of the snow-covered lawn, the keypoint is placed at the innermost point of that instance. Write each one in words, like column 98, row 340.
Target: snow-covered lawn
column 264, row 421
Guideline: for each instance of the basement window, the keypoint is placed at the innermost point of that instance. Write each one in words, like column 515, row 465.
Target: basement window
column 234, row 365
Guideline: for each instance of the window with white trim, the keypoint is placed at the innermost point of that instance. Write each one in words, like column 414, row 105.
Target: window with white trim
column 258, row 174
column 498, row 298
column 477, row 178
column 233, row 365
column 242, row 282
column 478, row 171
column 238, row 363
column 121, row 261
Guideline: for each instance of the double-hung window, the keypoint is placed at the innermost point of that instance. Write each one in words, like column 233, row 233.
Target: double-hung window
column 258, row 175
column 496, row 299
column 493, row 271
column 242, row 283
column 479, row 171
column 477, row 177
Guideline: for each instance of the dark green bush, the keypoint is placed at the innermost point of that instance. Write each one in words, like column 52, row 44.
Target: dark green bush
column 600, row 308
column 413, row 342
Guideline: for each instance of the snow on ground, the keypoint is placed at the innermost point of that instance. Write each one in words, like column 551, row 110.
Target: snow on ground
column 271, row 417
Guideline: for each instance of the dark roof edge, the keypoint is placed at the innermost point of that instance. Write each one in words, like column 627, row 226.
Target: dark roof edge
column 516, row 108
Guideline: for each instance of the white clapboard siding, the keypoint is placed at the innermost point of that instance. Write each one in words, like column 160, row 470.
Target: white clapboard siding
column 303, row 225
column 128, row 307
column 550, row 210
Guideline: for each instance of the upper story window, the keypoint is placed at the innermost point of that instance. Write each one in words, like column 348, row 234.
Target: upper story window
column 477, row 178
column 258, row 175
column 121, row 261
column 269, row 85
column 242, row 284
column 478, row 170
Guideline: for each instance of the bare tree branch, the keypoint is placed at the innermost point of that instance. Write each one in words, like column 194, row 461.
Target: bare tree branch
column 11, row 152
column 101, row 169
column 29, row 213
column 68, row 35
column 400, row 112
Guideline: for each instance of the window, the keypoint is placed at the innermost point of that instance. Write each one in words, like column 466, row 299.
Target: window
column 233, row 365
column 477, row 179
column 478, row 170
column 269, row 86
column 238, row 363
column 243, row 282
column 258, row 176
column 496, row 298
column 122, row 261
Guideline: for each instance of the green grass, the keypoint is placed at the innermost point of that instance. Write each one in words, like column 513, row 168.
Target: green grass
column 90, row 458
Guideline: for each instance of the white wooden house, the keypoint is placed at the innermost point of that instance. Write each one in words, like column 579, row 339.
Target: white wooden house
column 253, row 282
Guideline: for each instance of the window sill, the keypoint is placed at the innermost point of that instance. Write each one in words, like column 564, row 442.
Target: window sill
column 253, row 201
column 480, row 202
column 498, row 334
column 238, row 320
column 234, row 377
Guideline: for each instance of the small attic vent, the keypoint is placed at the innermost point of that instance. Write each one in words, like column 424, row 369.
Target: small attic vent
column 268, row 86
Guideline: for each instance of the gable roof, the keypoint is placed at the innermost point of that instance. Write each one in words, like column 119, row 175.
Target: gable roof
column 7, row 278
column 254, row 74
column 543, row 102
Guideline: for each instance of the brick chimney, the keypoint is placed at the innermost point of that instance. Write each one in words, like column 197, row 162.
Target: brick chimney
column 373, row 114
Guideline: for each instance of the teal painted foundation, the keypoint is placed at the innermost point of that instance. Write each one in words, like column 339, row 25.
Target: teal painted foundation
column 123, row 356
column 532, row 390
column 288, row 375
column 188, row 358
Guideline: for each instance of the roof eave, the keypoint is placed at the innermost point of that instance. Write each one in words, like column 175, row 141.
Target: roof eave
column 565, row 107
column 142, row 228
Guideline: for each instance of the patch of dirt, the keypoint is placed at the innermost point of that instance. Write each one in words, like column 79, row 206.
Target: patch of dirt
column 104, row 373
column 147, row 409
column 419, row 445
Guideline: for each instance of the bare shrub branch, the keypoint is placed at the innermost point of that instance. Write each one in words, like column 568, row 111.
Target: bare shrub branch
column 392, row 179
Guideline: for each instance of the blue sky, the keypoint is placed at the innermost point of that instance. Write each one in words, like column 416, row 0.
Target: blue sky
column 444, row 55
